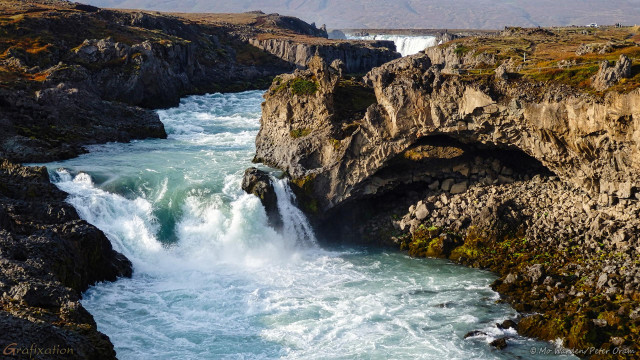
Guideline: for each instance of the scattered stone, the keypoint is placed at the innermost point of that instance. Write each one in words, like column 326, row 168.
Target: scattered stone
column 446, row 184
column 600, row 322
column 460, row 187
column 535, row 273
column 507, row 324
column 475, row 333
column 500, row 343
column 422, row 212
column 511, row 278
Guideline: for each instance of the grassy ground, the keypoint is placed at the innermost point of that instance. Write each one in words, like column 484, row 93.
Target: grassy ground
column 552, row 54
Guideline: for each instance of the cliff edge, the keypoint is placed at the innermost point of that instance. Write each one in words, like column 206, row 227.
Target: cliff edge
column 515, row 152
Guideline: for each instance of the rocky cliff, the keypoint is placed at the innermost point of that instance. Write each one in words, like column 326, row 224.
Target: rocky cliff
column 357, row 56
column 73, row 75
column 586, row 139
column 48, row 256
column 530, row 173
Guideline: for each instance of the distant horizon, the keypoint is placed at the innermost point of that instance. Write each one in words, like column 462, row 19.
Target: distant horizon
column 412, row 14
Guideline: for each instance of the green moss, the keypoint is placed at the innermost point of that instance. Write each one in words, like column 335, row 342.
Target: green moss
column 298, row 133
column 305, row 183
column 461, row 50
column 303, row 87
column 303, row 188
column 466, row 251
column 425, row 244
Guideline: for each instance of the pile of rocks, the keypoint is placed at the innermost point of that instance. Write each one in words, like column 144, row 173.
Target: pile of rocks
column 559, row 252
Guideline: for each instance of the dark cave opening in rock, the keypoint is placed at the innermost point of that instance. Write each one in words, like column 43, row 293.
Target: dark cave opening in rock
column 432, row 165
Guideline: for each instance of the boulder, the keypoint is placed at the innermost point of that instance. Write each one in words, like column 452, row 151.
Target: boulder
column 500, row 343
column 609, row 75
column 535, row 273
column 258, row 183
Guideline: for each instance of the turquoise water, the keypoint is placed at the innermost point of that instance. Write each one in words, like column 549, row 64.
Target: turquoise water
column 213, row 281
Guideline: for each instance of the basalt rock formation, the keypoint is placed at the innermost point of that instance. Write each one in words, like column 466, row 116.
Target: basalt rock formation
column 358, row 57
column 48, row 256
column 587, row 141
column 535, row 180
column 611, row 75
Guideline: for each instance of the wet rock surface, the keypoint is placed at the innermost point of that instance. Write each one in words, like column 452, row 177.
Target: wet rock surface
column 48, row 256
column 259, row 183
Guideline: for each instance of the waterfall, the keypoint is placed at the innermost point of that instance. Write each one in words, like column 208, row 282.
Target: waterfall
column 296, row 226
column 405, row 45
column 209, row 231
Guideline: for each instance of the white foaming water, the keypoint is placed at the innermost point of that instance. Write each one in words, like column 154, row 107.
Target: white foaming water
column 405, row 45
column 296, row 225
column 213, row 281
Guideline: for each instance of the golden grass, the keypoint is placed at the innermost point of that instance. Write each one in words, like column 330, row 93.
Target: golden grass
column 553, row 58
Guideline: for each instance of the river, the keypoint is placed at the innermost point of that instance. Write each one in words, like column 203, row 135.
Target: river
column 213, row 281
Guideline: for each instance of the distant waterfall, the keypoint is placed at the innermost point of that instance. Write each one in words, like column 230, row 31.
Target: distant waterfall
column 405, row 45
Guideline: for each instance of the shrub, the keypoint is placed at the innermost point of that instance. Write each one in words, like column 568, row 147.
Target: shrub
column 461, row 50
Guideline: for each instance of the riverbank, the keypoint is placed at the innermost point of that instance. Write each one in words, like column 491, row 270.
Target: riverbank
column 566, row 263
column 48, row 257
column 526, row 168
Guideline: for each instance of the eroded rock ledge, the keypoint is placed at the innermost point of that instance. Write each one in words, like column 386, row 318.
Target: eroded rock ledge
column 48, row 257
column 586, row 140
column 536, row 181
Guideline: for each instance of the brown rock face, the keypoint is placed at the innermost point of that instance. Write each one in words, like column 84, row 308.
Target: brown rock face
column 587, row 140
column 479, row 153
